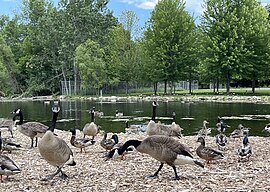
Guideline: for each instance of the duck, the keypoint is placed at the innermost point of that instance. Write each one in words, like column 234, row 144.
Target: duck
column 205, row 130
column 222, row 124
column 108, row 144
column 9, row 146
column 9, row 124
column 80, row 143
column 30, row 129
column 162, row 148
column 207, row 153
column 245, row 151
column 8, row 167
column 91, row 129
column 55, row 150
column 118, row 114
column 240, row 132
column 154, row 128
column 221, row 141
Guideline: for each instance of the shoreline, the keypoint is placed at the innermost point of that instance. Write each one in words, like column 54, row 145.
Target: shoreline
column 186, row 98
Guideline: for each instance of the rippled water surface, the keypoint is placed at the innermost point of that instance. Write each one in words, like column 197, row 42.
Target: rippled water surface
column 189, row 115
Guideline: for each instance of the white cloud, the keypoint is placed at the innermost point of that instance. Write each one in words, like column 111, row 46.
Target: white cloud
column 143, row 4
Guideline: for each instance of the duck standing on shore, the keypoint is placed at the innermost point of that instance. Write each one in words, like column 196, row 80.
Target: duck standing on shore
column 80, row 143
column 207, row 153
column 244, row 152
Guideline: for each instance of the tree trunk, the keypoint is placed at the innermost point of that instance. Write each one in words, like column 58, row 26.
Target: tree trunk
column 65, row 81
column 75, row 77
column 253, row 85
column 217, row 85
column 165, row 87
column 155, row 88
column 214, row 86
column 228, row 80
column 190, row 87
column 126, row 87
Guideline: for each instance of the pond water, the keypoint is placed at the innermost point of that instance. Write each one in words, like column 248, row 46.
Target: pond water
column 189, row 115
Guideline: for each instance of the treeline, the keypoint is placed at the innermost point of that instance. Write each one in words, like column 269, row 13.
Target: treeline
column 82, row 41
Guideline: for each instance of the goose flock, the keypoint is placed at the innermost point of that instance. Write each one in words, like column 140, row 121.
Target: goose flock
column 161, row 141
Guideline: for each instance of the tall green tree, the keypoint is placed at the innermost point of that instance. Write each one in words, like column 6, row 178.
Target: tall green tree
column 232, row 29
column 168, row 41
column 90, row 58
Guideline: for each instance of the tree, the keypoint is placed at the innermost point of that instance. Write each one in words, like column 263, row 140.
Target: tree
column 90, row 59
column 231, row 31
column 167, row 41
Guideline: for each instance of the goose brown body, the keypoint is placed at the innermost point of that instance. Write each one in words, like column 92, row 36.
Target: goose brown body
column 164, row 149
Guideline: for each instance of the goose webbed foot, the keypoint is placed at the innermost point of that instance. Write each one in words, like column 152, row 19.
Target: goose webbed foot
column 48, row 178
column 63, row 175
column 152, row 176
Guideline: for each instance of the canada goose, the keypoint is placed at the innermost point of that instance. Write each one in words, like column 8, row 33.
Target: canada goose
column 91, row 129
column 244, row 152
column 164, row 149
column 131, row 128
column 97, row 113
column 176, row 127
column 30, row 129
column 240, row 132
column 207, row 153
column 154, row 128
column 108, row 144
column 8, row 167
column 267, row 128
column 55, row 150
column 205, row 130
column 7, row 123
column 118, row 114
column 79, row 143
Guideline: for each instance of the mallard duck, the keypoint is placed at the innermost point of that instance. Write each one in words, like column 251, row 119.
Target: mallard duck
column 79, row 143
column 91, row 129
column 164, row 149
column 7, row 145
column 244, row 152
column 221, row 141
column 55, row 150
column 240, row 132
column 108, row 144
column 221, row 125
column 207, row 153
column 8, row 167
column 205, row 130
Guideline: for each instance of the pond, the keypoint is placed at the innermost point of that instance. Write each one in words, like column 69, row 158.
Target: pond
column 75, row 113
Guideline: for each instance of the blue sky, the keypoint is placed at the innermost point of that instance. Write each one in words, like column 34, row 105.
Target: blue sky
column 142, row 8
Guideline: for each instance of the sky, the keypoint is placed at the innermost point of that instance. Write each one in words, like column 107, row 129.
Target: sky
column 142, row 8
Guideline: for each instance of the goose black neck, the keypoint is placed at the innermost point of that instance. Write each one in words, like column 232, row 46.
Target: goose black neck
column 154, row 113
column 92, row 116
column 21, row 117
column 134, row 143
column 126, row 124
column 54, row 119
column 173, row 117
